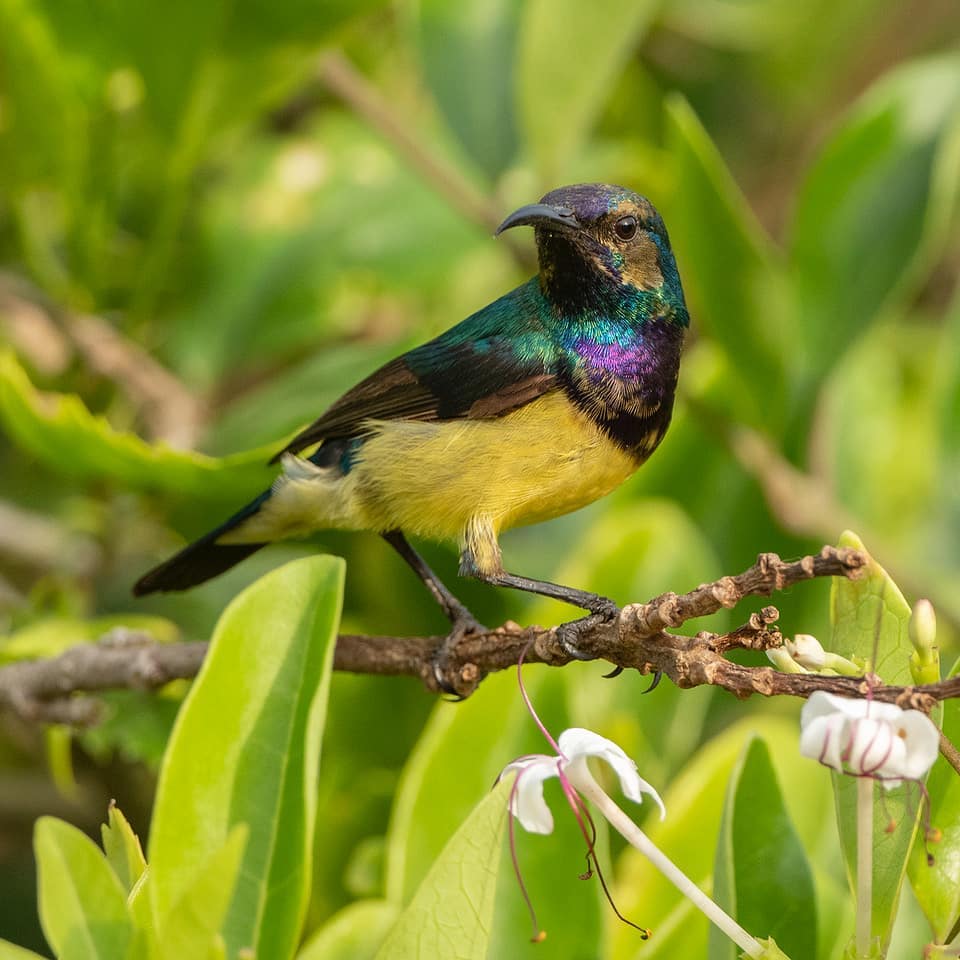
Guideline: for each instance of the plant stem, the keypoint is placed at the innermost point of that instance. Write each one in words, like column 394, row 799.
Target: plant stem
column 638, row 839
column 864, row 863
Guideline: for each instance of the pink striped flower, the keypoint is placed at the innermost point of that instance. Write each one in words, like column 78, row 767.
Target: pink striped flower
column 865, row 738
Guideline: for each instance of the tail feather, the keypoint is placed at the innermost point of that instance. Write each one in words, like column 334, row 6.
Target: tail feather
column 203, row 559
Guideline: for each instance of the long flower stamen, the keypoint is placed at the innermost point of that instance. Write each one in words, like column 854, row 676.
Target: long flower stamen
column 538, row 934
column 584, row 818
column 529, row 704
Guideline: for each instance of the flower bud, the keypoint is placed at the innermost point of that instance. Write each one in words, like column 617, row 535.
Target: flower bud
column 925, row 660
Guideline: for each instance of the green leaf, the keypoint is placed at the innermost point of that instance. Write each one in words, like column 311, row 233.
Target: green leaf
column 257, row 709
column 455, row 761
column 355, row 933
column 10, row 951
column 695, row 803
column 191, row 931
column 83, row 907
column 761, row 874
column 451, row 913
column 558, row 104
column 875, row 209
column 467, row 51
column 60, row 431
column 870, row 620
column 122, row 847
column 937, row 885
column 738, row 298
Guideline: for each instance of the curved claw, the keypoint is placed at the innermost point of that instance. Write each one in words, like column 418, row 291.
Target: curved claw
column 569, row 633
column 461, row 628
column 615, row 672
column 657, row 676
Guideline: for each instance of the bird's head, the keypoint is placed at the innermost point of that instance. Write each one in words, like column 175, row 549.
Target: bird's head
column 599, row 244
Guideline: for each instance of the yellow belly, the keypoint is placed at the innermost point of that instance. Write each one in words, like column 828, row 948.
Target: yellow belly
column 469, row 479
column 463, row 480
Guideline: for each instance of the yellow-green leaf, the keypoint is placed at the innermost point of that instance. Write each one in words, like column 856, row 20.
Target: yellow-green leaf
column 122, row 847
column 354, row 933
column 451, row 913
column 59, row 430
column 246, row 748
column 870, row 620
column 83, row 907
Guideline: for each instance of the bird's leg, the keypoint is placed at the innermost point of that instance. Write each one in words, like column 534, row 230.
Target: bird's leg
column 453, row 609
column 602, row 608
column 462, row 621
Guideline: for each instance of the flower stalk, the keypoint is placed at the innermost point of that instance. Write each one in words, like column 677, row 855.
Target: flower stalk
column 589, row 787
column 864, row 864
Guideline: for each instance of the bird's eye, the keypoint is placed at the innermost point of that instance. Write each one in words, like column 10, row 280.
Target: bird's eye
column 626, row 228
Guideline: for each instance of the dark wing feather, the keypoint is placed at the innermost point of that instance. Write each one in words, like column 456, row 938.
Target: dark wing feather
column 442, row 380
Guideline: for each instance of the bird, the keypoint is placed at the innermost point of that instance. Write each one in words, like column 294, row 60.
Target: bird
column 541, row 402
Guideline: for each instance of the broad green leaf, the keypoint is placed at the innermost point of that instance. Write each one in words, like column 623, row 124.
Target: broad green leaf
column 191, row 931
column 457, row 760
column 936, row 885
column 451, row 913
column 122, row 847
column 59, row 430
column 246, row 749
column 83, row 906
column 694, row 803
column 355, row 933
column 558, row 103
column 870, row 620
column 761, row 873
column 875, row 208
column 10, row 951
column 467, row 52
column 738, row 296
column 454, row 763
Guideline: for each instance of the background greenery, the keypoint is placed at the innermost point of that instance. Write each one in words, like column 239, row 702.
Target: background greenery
column 211, row 224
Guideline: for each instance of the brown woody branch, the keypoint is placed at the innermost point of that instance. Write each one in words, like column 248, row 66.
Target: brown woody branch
column 640, row 638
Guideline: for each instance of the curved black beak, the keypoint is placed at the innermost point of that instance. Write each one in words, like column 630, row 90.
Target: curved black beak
column 541, row 215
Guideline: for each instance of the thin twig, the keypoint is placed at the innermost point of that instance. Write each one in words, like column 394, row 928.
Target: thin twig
column 352, row 87
column 170, row 410
column 45, row 334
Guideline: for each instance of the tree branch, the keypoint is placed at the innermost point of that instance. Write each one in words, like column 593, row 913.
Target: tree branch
column 52, row 690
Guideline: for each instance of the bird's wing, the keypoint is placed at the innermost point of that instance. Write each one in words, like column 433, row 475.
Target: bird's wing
column 445, row 379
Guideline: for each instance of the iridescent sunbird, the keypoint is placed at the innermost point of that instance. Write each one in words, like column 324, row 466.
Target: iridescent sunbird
column 538, row 404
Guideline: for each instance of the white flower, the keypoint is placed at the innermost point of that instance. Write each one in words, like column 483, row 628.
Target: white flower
column 576, row 744
column 807, row 651
column 866, row 738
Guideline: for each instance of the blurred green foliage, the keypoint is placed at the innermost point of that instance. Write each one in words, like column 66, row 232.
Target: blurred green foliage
column 258, row 224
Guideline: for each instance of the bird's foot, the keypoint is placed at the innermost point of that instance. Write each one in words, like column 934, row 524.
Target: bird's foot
column 456, row 682
column 602, row 607
column 569, row 635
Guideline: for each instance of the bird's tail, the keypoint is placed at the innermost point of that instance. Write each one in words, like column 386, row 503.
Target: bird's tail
column 204, row 558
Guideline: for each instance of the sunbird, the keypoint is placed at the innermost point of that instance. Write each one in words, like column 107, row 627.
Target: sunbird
column 536, row 405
